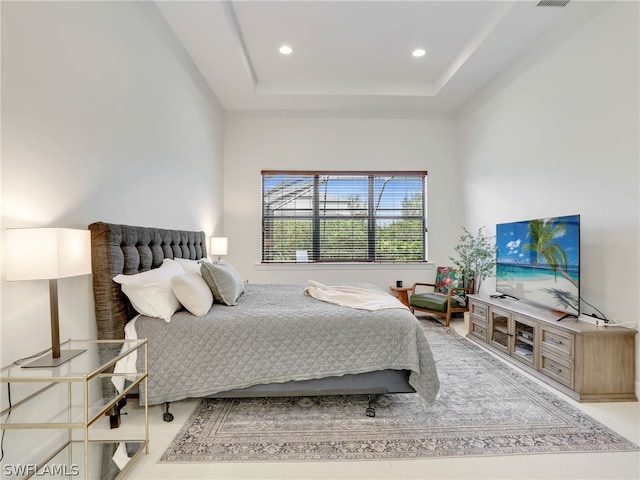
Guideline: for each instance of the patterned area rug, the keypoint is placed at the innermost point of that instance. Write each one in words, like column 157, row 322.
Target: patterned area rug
column 484, row 408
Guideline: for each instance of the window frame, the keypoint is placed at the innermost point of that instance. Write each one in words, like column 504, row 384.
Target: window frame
column 314, row 255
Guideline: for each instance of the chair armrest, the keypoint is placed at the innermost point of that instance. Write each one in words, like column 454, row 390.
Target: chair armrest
column 459, row 289
column 418, row 284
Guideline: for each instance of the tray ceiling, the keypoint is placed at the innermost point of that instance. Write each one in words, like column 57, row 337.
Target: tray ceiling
column 354, row 55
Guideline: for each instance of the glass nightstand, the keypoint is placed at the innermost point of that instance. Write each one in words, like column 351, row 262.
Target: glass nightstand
column 35, row 398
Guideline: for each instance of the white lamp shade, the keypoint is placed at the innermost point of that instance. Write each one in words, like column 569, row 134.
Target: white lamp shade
column 47, row 253
column 219, row 245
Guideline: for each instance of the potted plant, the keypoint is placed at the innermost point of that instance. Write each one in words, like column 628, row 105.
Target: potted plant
column 477, row 256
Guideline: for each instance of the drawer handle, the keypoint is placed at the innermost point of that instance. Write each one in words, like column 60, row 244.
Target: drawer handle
column 557, row 342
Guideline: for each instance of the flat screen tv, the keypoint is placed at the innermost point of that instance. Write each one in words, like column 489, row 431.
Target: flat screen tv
column 539, row 261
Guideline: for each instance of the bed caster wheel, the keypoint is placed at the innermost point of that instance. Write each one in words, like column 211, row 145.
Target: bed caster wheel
column 371, row 412
column 167, row 417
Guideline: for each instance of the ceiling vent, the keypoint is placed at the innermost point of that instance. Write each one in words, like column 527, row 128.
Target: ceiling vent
column 552, row 3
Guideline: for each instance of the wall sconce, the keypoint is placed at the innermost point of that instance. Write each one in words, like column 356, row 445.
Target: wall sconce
column 49, row 254
column 219, row 246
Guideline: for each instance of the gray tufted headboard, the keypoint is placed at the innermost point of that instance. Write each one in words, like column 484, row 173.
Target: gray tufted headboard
column 126, row 249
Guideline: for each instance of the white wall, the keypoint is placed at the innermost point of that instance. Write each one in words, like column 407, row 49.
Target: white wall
column 104, row 118
column 558, row 133
column 322, row 141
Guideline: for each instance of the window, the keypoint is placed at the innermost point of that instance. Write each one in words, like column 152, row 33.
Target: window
column 344, row 216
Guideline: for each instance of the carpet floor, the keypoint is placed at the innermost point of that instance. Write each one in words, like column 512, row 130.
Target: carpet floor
column 484, row 407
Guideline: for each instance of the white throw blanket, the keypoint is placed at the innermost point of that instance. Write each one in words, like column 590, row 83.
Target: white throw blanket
column 352, row 297
column 126, row 367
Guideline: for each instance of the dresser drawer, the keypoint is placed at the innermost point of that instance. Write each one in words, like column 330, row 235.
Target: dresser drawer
column 479, row 330
column 561, row 343
column 557, row 369
column 478, row 310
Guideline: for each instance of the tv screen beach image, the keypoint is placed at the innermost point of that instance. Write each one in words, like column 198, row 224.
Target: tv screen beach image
column 539, row 261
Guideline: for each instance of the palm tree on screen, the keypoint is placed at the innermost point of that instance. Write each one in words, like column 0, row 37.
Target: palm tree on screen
column 542, row 244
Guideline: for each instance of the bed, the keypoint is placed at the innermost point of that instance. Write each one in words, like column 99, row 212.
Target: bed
column 276, row 341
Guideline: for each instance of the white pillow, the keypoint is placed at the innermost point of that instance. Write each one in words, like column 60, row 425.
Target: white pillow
column 150, row 292
column 190, row 265
column 192, row 292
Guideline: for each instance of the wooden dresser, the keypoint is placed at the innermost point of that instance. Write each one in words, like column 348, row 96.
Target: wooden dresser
column 587, row 362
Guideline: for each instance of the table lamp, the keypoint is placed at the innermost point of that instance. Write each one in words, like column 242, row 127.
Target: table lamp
column 219, row 246
column 48, row 254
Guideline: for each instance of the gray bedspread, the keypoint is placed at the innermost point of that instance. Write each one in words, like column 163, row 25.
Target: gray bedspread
column 277, row 334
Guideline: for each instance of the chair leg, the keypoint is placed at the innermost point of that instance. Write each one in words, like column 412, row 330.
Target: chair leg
column 448, row 318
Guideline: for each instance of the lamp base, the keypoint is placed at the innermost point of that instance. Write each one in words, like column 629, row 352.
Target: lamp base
column 47, row 361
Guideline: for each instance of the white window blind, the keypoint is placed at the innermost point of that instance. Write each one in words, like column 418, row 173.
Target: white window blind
column 344, row 216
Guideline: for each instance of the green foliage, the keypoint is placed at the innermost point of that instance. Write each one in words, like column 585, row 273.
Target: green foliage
column 290, row 236
column 477, row 255
column 335, row 234
column 399, row 240
column 413, row 205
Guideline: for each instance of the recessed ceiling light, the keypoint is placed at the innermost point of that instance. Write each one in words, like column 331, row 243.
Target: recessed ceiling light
column 418, row 52
column 285, row 49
